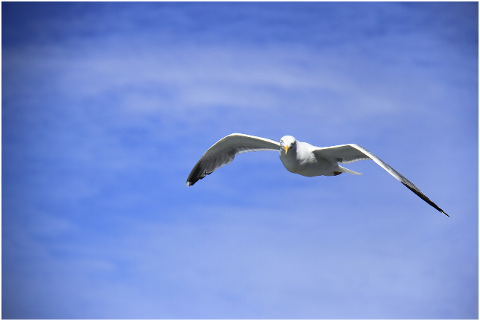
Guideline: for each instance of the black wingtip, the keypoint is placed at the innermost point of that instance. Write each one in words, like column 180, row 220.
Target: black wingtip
column 425, row 198
column 196, row 174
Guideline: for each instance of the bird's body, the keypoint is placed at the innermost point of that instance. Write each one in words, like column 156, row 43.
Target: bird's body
column 297, row 157
column 301, row 159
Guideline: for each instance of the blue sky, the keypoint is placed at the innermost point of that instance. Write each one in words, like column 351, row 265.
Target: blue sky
column 106, row 107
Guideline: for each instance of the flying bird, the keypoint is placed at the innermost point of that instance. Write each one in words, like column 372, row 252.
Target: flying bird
column 297, row 157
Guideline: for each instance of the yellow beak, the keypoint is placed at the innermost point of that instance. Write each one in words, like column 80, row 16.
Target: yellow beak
column 286, row 147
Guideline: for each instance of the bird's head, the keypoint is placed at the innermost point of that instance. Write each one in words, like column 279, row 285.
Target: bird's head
column 287, row 142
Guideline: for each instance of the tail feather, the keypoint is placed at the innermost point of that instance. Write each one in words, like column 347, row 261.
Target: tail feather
column 349, row 171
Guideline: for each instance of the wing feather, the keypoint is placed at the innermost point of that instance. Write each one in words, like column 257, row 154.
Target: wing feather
column 351, row 153
column 224, row 151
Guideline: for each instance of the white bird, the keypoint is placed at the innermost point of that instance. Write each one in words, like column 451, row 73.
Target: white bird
column 297, row 157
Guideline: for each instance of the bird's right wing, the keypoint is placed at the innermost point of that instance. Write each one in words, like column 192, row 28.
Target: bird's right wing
column 224, row 151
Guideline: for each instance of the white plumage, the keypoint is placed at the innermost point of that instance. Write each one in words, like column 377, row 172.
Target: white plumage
column 297, row 157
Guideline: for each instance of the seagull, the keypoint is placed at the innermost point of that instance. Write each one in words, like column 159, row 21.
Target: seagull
column 297, row 157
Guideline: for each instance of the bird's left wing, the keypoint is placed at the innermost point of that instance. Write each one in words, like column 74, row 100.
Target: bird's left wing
column 223, row 152
column 351, row 153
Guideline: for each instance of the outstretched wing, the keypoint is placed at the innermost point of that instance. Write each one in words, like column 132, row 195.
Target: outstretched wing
column 224, row 151
column 351, row 153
